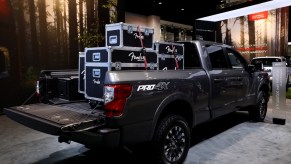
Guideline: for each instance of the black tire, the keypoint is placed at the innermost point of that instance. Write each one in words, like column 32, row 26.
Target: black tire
column 287, row 83
column 259, row 111
column 171, row 140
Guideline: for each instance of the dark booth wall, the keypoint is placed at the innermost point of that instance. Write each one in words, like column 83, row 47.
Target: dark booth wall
column 46, row 34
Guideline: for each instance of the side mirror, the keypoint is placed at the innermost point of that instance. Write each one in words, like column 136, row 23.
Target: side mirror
column 257, row 67
column 251, row 68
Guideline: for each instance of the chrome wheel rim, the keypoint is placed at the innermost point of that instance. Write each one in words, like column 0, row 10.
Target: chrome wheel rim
column 174, row 144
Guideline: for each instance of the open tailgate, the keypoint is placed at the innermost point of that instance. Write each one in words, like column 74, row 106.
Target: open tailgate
column 55, row 119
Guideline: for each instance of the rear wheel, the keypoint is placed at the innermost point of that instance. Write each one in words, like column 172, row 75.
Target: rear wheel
column 171, row 140
column 259, row 111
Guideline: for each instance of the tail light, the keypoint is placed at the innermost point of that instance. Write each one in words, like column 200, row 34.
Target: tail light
column 37, row 88
column 115, row 99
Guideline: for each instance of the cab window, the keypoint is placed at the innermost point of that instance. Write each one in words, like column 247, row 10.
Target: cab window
column 235, row 60
column 217, row 57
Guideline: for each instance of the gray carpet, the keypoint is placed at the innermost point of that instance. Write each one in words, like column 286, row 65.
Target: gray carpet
column 248, row 143
column 230, row 140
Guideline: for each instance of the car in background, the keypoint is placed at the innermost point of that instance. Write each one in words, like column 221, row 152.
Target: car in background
column 267, row 61
column 288, row 60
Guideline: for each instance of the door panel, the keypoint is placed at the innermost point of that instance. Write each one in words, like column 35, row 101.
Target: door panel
column 229, row 80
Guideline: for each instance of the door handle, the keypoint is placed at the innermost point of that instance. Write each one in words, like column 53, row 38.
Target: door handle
column 218, row 80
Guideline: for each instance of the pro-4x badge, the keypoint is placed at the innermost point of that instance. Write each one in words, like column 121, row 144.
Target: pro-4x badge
column 150, row 87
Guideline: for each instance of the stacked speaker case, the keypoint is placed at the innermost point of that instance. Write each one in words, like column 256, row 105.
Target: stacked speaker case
column 99, row 60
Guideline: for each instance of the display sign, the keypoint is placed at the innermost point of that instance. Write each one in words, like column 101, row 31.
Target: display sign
column 279, row 77
column 258, row 16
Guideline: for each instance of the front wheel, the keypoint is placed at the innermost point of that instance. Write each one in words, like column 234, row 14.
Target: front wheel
column 171, row 140
column 259, row 111
column 287, row 83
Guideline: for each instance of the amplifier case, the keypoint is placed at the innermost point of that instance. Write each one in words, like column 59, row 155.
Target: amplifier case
column 67, row 89
column 99, row 60
column 127, row 35
column 81, row 72
column 170, row 55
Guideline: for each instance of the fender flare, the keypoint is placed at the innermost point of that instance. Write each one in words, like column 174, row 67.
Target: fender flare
column 166, row 101
column 263, row 82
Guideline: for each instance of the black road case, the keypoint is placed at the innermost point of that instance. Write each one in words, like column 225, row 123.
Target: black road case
column 170, row 55
column 81, row 72
column 128, row 35
column 99, row 60
column 67, row 89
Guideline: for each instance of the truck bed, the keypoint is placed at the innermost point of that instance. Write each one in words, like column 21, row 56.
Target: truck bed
column 55, row 119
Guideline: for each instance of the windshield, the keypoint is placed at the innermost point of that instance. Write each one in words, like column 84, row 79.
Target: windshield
column 265, row 61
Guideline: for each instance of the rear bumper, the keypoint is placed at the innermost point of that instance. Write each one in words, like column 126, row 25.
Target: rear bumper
column 104, row 137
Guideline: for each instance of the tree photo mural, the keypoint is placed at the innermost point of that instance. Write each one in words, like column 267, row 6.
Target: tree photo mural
column 49, row 34
column 52, row 32
column 259, row 34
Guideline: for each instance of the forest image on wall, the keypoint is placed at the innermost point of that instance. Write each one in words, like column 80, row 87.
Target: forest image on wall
column 259, row 34
column 46, row 35
column 52, row 32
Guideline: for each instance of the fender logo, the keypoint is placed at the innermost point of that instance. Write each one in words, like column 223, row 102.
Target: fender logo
column 96, row 82
column 137, row 58
column 168, row 48
column 83, row 72
column 136, row 36
column 160, row 86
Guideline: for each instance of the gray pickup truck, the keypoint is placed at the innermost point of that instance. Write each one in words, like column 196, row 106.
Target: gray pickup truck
column 159, row 107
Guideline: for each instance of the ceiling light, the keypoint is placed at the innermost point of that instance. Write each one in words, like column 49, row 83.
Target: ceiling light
column 160, row 3
column 265, row 6
column 182, row 9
